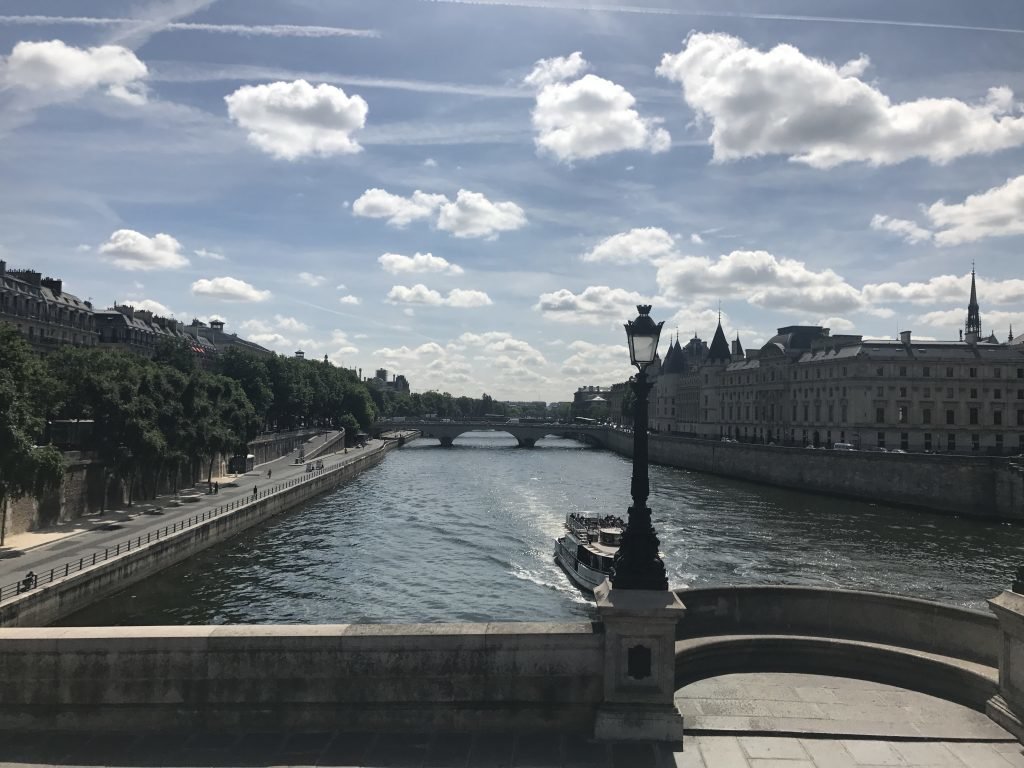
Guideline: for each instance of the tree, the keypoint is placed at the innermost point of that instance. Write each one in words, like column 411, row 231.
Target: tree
column 25, row 468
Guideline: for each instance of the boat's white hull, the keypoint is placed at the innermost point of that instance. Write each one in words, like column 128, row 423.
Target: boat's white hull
column 582, row 575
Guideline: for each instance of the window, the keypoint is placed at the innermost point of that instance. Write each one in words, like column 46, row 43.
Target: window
column 844, row 370
column 881, row 439
column 975, row 442
column 903, row 391
column 997, row 394
column 879, row 371
column 794, row 411
column 927, row 441
column 831, row 412
column 926, row 416
column 904, row 440
column 817, row 412
column 902, row 412
column 997, row 418
column 927, row 372
column 1020, row 373
column 998, row 372
column 949, row 393
column 842, row 410
column 903, row 370
column 999, row 443
column 880, row 415
column 1020, row 418
column 974, row 394
column 927, row 392
column 973, row 373
column 950, row 416
column 950, row 442
column 973, row 419
column 1020, row 394
column 879, row 392
column 949, row 373
column 805, row 412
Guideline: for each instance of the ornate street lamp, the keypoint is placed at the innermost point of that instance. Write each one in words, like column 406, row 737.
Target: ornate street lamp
column 637, row 563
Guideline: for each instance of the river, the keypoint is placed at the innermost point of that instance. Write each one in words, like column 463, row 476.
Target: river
column 466, row 533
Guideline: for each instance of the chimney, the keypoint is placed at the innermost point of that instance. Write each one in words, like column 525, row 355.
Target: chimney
column 905, row 338
column 55, row 286
column 3, row 267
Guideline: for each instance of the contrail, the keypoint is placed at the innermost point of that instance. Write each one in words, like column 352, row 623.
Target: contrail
column 246, row 30
column 647, row 10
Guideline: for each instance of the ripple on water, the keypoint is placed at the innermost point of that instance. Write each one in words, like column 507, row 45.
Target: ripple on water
column 466, row 534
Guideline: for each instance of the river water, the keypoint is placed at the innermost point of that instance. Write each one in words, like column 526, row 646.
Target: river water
column 466, row 534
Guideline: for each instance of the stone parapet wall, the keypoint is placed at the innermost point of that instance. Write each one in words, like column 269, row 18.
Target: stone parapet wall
column 977, row 486
column 63, row 597
column 436, row 677
column 80, row 492
column 904, row 622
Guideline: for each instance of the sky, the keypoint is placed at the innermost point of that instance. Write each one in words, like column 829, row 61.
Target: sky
column 477, row 193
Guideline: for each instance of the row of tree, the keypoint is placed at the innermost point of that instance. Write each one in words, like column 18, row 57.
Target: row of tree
column 158, row 422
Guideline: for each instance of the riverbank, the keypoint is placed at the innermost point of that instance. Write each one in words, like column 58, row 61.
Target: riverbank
column 101, row 561
column 973, row 486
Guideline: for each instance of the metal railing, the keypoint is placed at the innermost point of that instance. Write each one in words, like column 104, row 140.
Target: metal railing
column 29, row 583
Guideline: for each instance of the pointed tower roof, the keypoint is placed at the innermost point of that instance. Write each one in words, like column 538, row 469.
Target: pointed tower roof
column 973, row 324
column 719, row 350
column 737, row 347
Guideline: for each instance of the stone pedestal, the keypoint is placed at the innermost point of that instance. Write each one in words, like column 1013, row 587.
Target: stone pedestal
column 639, row 665
column 1007, row 708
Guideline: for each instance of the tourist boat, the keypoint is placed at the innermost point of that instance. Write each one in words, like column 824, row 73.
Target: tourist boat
column 587, row 549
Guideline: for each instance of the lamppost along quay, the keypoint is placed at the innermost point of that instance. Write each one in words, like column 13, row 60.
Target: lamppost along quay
column 637, row 564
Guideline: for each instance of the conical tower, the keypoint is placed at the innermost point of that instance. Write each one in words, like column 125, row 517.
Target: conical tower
column 972, row 328
column 719, row 350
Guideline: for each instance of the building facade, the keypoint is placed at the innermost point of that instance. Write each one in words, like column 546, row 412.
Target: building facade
column 808, row 387
column 43, row 312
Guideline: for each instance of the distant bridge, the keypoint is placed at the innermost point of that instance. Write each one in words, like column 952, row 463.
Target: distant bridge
column 527, row 434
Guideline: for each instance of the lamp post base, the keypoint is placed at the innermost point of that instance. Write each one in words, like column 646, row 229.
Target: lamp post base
column 639, row 664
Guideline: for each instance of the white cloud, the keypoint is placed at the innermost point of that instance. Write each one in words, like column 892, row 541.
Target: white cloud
column 548, row 71
column 350, row 299
column 783, row 102
column 637, row 245
column 596, row 304
column 430, row 163
column 999, row 212
column 83, row 248
column 228, row 289
column 275, row 341
column 837, row 324
column 696, row 239
column 588, row 117
column 150, row 305
column 760, row 279
column 257, row 326
column 293, row 120
column 600, row 364
column 946, row 288
column 290, row 324
column 212, row 255
column 397, row 264
column 313, row 281
column 949, row 321
column 908, row 230
column 132, row 250
column 473, row 215
column 340, row 287
column 420, row 294
column 55, row 68
column 398, row 210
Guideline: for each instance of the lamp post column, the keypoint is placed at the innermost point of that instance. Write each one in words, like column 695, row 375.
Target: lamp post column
column 637, row 563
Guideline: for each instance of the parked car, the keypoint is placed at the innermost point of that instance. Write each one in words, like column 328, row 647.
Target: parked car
column 843, row 447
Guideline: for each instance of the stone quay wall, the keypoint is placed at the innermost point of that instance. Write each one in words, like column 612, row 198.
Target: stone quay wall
column 80, row 492
column 429, row 677
column 975, row 486
column 51, row 602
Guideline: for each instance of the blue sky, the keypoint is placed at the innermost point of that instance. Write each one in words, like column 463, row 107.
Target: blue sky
column 476, row 193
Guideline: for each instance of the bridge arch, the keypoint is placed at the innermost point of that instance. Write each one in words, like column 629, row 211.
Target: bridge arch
column 921, row 645
column 526, row 435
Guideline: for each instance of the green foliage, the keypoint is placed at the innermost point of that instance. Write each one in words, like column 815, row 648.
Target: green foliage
column 24, row 394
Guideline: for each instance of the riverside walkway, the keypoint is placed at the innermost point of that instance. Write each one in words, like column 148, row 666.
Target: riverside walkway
column 75, row 543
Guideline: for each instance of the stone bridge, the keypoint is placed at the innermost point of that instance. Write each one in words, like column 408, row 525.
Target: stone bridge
column 447, row 431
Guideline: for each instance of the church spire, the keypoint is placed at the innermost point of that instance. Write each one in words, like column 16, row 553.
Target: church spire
column 973, row 325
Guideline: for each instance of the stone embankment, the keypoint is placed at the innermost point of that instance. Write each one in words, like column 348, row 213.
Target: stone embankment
column 975, row 486
column 51, row 601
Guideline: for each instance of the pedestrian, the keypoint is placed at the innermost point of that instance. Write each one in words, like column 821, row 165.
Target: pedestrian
column 29, row 581
column 269, row 473
column 216, row 488
column 254, row 493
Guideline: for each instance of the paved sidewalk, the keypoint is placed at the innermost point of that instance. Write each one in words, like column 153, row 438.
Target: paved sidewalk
column 39, row 551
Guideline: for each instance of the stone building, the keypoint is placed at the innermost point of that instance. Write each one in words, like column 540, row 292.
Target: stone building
column 213, row 333
column 398, row 383
column 43, row 312
column 808, row 387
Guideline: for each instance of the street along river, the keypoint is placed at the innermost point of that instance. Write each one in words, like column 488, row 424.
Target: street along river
column 466, row 534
